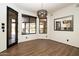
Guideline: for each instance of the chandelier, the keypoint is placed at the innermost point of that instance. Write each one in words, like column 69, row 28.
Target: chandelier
column 42, row 14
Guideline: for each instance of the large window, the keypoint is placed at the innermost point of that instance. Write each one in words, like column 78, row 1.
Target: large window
column 28, row 24
column 43, row 26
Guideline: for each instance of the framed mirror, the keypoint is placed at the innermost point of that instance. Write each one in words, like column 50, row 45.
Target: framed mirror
column 64, row 23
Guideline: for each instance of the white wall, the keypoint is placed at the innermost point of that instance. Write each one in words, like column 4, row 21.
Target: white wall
column 2, row 34
column 62, row 36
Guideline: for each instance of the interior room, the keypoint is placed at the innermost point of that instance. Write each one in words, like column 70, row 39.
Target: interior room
column 39, row 29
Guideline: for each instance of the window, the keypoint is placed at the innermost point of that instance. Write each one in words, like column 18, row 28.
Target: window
column 28, row 25
column 43, row 26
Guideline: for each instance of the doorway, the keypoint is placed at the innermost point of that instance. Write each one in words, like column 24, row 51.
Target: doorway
column 12, row 27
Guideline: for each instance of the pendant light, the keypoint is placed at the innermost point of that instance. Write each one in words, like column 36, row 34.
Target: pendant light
column 42, row 14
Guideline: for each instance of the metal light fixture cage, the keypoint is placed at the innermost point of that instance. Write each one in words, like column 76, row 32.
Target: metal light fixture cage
column 42, row 14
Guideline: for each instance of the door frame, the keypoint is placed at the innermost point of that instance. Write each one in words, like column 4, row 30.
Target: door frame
column 16, row 38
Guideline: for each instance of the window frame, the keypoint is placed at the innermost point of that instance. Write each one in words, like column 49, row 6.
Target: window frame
column 23, row 15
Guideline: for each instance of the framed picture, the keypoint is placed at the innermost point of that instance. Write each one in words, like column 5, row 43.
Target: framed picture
column 64, row 23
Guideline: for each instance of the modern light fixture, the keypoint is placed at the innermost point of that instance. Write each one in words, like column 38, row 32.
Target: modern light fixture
column 42, row 14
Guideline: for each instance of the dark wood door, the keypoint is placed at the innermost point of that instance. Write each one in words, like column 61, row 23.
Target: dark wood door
column 12, row 27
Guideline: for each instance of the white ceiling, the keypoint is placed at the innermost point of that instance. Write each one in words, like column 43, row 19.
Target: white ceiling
column 34, row 7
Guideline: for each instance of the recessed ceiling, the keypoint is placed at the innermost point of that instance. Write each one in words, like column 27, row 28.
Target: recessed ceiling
column 34, row 7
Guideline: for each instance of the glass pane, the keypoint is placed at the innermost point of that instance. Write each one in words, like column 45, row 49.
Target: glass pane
column 23, row 25
column 12, row 40
column 23, row 28
column 13, row 28
column 43, row 26
column 13, row 20
column 32, row 27
column 27, row 27
column 32, row 20
column 41, row 30
column 25, row 19
column 42, row 19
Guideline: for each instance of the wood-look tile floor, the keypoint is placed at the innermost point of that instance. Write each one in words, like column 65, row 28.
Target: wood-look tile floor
column 41, row 47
